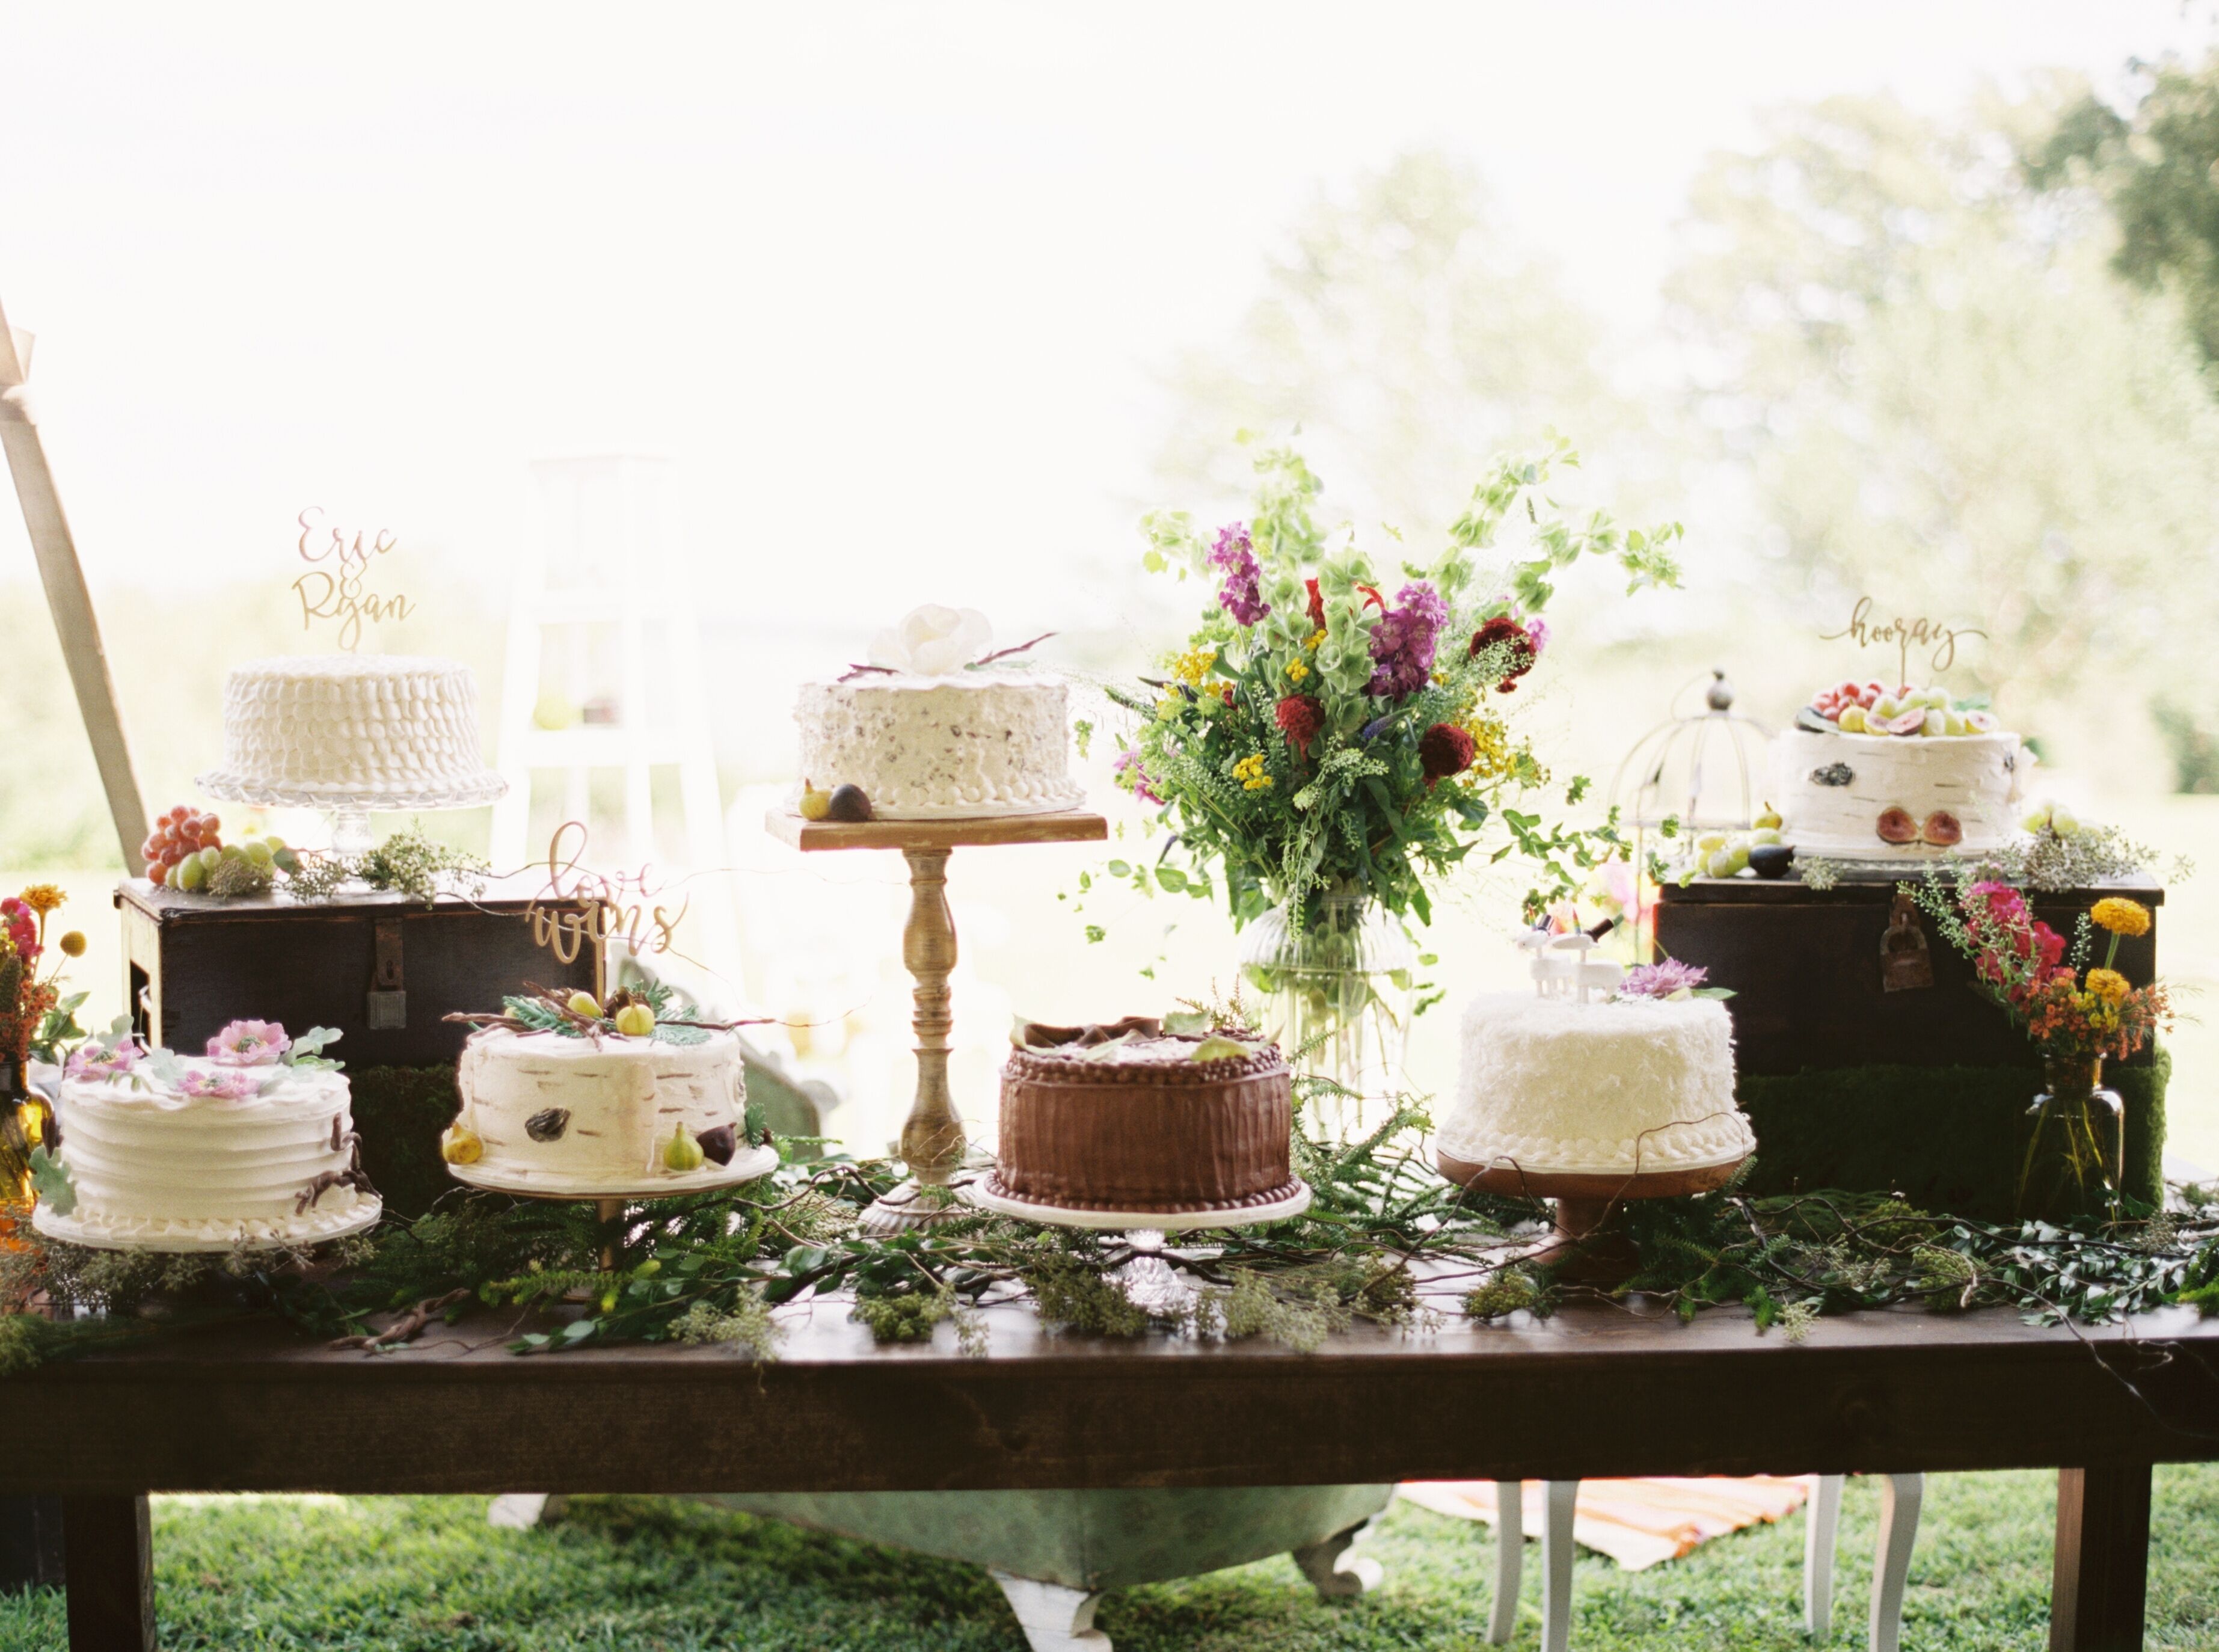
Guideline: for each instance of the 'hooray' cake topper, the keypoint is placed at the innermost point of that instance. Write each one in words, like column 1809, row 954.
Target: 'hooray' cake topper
column 332, row 591
column 1905, row 634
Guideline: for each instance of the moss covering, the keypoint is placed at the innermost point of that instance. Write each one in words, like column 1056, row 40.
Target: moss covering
column 399, row 1112
column 1945, row 1137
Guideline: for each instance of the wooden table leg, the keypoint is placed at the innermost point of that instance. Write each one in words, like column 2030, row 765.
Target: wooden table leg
column 2102, row 1577
column 108, row 1560
column 932, row 1143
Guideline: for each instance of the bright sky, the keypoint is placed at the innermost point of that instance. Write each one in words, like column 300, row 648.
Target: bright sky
column 890, row 282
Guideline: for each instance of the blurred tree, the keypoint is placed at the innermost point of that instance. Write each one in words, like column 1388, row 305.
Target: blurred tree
column 1942, row 397
column 1411, row 340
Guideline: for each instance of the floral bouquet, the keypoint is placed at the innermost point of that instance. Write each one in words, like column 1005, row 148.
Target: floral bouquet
column 2076, row 1012
column 37, row 1022
column 1318, row 736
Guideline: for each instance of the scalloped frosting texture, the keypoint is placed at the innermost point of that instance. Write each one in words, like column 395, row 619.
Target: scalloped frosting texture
column 921, row 747
column 1598, row 1089
column 151, row 1166
column 340, row 723
column 1831, row 790
column 621, row 1100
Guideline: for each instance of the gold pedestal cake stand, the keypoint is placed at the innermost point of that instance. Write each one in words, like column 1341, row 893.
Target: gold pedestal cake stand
column 932, row 1143
column 1584, row 1249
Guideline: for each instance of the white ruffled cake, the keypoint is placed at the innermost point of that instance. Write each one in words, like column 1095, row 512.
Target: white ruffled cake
column 927, row 732
column 589, row 1116
column 1553, row 1086
column 155, row 1168
column 352, row 730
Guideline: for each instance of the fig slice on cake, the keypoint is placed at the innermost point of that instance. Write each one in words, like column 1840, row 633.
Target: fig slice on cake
column 1896, row 826
column 1942, row 830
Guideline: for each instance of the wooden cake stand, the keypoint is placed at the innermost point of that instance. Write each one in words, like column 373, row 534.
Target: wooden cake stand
column 1584, row 1249
column 932, row 1144
column 609, row 1201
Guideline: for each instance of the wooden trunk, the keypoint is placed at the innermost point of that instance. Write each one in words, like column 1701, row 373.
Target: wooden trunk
column 384, row 970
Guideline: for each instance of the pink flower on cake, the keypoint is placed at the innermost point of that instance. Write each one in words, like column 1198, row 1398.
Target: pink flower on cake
column 92, row 1061
column 1661, row 979
column 249, row 1044
column 220, row 1086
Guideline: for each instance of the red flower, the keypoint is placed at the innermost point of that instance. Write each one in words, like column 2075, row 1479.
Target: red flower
column 1373, row 597
column 1300, row 717
column 1443, row 750
column 1317, row 605
column 1497, row 632
column 2051, row 945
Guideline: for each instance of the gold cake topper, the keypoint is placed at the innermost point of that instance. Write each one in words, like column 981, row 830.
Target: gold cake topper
column 595, row 905
column 334, row 594
column 1904, row 634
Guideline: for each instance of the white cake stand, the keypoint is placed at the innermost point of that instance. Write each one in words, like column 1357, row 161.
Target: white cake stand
column 1148, row 1279
column 73, row 1231
column 610, row 1199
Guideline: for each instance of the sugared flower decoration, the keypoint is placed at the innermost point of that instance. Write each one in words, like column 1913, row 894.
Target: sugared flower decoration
column 2108, row 985
column 1524, row 647
column 249, row 1044
column 1661, row 979
column 933, row 642
column 1300, row 717
column 1443, row 750
column 1134, row 778
column 1242, row 595
column 99, row 1061
column 2121, row 916
column 235, row 1086
column 1403, row 640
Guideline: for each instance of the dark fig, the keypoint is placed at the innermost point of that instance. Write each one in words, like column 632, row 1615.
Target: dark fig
column 1943, row 830
column 1816, row 722
column 719, row 1144
column 1771, row 859
column 548, row 1126
column 849, row 802
column 1896, row 826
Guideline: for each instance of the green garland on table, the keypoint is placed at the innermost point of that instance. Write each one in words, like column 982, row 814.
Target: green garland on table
column 1384, row 1237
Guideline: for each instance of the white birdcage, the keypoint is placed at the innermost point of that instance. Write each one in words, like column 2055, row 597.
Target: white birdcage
column 1701, row 770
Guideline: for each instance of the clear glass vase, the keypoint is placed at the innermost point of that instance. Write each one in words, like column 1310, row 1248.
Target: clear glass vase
column 2072, row 1147
column 1337, row 994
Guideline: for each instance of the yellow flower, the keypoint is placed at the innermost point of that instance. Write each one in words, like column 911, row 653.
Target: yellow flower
column 1193, row 666
column 43, row 899
column 2108, row 985
column 72, row 944
column 1315, row 637
column 1296, row 671
column 2121, row 917
column 1249, row 771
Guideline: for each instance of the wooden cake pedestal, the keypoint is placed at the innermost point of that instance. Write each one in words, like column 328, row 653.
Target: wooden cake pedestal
column 1584, row 1249
column 932, row 1143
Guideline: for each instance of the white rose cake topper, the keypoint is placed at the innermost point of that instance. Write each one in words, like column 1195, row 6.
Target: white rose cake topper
column 924, row 730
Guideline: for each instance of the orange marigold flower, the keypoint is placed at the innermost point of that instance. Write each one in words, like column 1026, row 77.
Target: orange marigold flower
column 43, row 899
column 2121, row 915
column 2108, row 985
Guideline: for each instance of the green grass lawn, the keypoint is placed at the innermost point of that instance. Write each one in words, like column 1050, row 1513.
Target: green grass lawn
column 386, row 1573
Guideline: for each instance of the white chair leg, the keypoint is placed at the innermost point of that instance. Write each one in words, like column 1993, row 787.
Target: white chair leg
column 1054, row 1619
column 1818, row 1534
column 1509, row 1559
column 1900, row 1495
column 1334, row 1572
column 1556, row 1567
column 521, row 1511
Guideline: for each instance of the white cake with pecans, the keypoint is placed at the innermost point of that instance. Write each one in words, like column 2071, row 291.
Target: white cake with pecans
column 931, row 729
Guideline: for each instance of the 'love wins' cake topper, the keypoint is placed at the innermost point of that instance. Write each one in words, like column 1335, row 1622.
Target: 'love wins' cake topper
column 1904, row 634
column 333, row 593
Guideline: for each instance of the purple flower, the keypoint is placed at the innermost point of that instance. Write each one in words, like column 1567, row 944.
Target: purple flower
column 1661, row 980
column 93, row 1061
column 1370, row 731
column 221, row 1086
column 1134, row 778
column 1242, row 596
column 249, row 1044
column 1404, row 639
column 1537, row 629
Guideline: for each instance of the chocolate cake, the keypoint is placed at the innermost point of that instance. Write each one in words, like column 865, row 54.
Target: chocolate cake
column 1125, row 1117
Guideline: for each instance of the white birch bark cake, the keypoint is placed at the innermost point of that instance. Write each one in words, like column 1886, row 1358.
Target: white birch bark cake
column 1866, row 775
column 162, row 1153
column 1552, row 1086
column 933, row 728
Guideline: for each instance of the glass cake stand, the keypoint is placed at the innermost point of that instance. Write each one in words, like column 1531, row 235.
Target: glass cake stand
column 1148, row 1280
column 932, row 1144
column 1584, row 1249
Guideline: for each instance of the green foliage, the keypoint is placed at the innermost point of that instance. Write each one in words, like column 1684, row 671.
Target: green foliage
column 407, row 863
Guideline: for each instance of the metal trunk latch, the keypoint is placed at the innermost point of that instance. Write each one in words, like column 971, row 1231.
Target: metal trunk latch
column 1905, row 965
column 387, row 1009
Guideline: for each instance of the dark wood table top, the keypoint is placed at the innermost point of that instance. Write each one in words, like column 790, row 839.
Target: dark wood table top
column 1597, row 1389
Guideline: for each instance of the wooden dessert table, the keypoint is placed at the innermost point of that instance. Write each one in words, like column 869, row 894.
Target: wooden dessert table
column 1596, row 1390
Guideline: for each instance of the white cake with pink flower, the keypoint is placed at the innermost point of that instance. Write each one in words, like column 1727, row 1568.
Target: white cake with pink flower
column 1871, row 773
column 251, row 1145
